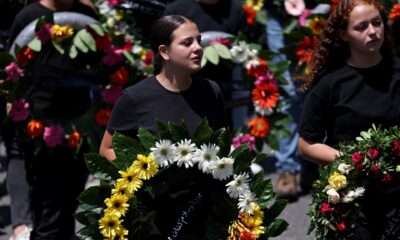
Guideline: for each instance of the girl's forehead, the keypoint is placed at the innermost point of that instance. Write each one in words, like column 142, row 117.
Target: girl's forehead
column 187, row 29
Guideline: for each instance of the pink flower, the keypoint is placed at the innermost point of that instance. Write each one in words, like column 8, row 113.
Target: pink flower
column 53, row 135
column 111, row 94
column 356, row 157
column 113, row 2
column 44, row 33
column 19, row 110
column 396, row 148
column 223, row 41
column 372, row 153
column 13, row 71
column 113, row 56
column 303, row 17
column 268, row 76
column 294, row 7
column 241, row 139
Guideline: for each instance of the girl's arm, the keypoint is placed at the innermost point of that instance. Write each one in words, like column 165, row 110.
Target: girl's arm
column 106, row 149
column 317, row 152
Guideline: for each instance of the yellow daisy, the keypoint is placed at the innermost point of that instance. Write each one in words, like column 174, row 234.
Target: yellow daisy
column 130, row 180
column 145, row 167
column 109, row 225
column 122, row 189
column 117, row 205
column 120, row 234
column 59, row 33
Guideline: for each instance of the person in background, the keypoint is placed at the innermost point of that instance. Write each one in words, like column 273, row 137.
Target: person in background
column 54, row 190
column 288, row 162
column 353, row 82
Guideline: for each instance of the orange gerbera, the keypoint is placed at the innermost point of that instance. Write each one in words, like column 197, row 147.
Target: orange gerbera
column 259, row 127
column 120, row 77
column 74, row 139
column 25, row 55
column 34, row 128
column 395, row 12
column 259, row 69
column 334, row 3
column 304, row 49
column 103, row 116
column 266, row 94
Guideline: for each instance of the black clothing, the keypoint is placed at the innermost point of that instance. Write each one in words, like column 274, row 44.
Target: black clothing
column 346, row 101
column 224, row 16
column 142, row 104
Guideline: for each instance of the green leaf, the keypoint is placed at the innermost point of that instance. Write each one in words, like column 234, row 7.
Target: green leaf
column 211, row 55
column 87, row 217
column 87, row 39
column 178, row 131
column 77, row 41
column 223, row 140
column 58, row 47
column 242, row 156
column 163, row 132
column 262, row 189
column 147, row 139
column 89, row 233
column 203, row 132
column 126, row 150
column 277, row 227
column 73, row 52
column 222, row 51
column 129, row 57
column 275, row 210
column 98, row 29
column 35, row 44
column 95, row 195
column 101, row 167
column 260, row 157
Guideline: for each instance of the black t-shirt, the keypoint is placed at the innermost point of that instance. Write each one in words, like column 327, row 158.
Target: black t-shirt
column 225, row 16
column 60, row 84
column 348, row 100
column 142, row 104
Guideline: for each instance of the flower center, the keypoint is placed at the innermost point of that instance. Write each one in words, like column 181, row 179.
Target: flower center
column 163, row 152
column 184, row 152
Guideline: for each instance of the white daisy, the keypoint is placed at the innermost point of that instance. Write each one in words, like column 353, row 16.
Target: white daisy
column 261, row 110
column 238, row 186
column 184, row 153
column 206, row 156
column 246, row 202
column 223, row 168
column 240, row 52
column 163, row 152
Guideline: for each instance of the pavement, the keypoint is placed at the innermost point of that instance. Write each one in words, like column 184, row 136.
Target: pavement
column 294, row 213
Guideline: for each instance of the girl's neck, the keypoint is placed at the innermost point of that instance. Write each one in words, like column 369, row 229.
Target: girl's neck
column 174, row 82
column 57, row 5
column 364, row 61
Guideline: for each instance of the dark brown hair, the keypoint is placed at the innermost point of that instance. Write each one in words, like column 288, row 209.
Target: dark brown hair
column 331, row 50
column 161, row 34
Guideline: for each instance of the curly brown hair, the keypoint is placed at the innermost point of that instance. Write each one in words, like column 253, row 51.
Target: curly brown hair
column 331, row 50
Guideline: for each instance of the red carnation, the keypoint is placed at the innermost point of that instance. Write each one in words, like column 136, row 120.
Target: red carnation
column 325, row 207
column 356, row 157
column 375, row 168
column 372, row 153
column 360, row 166
column 387, row 178
column 341, row 226
column 396, row 148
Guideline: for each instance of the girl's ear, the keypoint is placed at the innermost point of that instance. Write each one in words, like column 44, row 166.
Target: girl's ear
column 343, row 35
column 163, row 50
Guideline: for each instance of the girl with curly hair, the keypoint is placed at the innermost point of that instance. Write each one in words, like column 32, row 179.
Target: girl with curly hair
column 353, row 82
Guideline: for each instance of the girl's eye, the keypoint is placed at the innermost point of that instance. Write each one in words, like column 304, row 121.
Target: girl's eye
column 377, row 22
column 187, row 43
column 361, row 27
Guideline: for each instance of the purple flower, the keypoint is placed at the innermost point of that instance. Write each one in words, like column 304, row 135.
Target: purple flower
column 44, row 33
column 53, row 135
column 113, row 56
column 19, row 110
column 13, row 71
column 111, row 94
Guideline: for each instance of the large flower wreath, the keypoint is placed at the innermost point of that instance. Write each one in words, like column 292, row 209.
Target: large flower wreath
column 119, row 66
column 374, row 159
column 172, row 186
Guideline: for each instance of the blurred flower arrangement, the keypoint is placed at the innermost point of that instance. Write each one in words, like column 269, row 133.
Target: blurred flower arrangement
column 265, row 79
column 120, row 65
column 239, row 204
column 373, row 159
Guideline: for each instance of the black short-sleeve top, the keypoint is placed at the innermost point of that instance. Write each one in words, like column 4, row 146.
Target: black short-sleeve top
column 142, row 104
column 349, row 100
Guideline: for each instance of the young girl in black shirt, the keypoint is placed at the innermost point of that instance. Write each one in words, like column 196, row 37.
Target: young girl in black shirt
column 352, row 83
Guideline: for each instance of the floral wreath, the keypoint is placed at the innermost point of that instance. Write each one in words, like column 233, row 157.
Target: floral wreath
column 112, row 210
column 373, row 159
column 122, row 62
